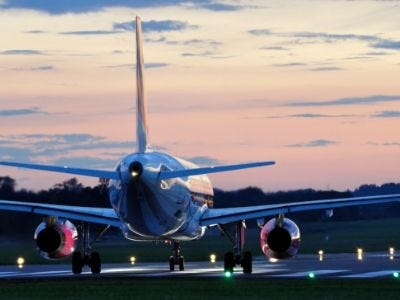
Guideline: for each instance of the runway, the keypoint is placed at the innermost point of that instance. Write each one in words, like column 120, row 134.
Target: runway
column 346, row 266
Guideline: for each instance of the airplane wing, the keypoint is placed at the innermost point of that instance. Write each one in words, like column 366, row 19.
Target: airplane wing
column 227, row 215
column 98, row 215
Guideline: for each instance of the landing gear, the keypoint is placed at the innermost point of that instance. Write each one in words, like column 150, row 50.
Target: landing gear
column 88, row 258
column 237, row 257
column 176, row 258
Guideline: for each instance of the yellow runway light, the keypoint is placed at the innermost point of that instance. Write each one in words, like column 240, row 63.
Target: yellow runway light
column 360, row 254
column 213, row 258
column 20, row 262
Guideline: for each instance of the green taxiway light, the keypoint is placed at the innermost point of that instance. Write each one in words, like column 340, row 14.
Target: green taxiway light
column 396, row 274
column 228, row 274
column 311, row 275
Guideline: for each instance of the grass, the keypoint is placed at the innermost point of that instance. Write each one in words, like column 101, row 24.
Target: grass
column 210, row 288
column 333, row 237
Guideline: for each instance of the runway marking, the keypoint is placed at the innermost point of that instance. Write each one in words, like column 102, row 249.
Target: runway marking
column 370, row 274
column 305, row 274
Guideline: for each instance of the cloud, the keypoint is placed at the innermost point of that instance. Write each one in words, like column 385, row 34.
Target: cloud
column 349, row 101
column 50, row 147
column 279, row 48
column 312, row 116
column 43, row 68
column 155, row 26
column 35, row 31
column 86, row 162
column 77, row 6
column 200, row 54
column 387, row 114
column 292, row 64
column 90, row 32
column 21, row 112
column 391, row 144
column 301, row 37
column 150, row 65
column 326, row 69
column 377, row 53
column 155, row 65
column 217, row 6
column 387, row 44
column 259, row 32
column 314, row 143
column 204, row 160
column 22, row 52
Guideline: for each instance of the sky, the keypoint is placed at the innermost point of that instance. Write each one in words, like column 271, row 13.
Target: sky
column 312, row 85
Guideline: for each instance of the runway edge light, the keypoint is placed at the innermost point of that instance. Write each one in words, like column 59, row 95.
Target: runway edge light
column 228, row 274
column 20, row 262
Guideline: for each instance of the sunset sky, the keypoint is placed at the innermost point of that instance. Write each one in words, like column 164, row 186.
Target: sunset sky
column 313, row 85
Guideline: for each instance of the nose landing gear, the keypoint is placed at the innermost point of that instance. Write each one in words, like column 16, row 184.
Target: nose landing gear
column 176, row 259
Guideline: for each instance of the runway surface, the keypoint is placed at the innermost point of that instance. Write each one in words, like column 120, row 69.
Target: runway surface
column 373, row 265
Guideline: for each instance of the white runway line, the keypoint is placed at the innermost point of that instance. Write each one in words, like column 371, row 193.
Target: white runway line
column 370, row 274
column 306, row 274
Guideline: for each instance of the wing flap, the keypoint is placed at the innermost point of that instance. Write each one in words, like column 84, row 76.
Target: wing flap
column 227, row 215
column 98, row 215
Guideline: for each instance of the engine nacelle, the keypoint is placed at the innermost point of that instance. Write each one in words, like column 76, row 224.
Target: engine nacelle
column 280, row 238
column 55, row 238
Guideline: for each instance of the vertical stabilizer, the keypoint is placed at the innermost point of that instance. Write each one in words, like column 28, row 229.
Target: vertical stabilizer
column 141, row 101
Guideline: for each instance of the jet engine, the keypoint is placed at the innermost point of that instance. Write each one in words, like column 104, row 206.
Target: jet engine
column 280, row 238
column 55, row 238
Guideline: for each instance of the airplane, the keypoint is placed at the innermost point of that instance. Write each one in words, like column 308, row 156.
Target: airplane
column 156, row 196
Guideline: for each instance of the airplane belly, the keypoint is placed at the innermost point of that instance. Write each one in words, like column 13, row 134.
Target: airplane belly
column 147, row 213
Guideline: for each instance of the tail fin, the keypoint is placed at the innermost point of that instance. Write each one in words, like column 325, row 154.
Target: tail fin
column 141, row 101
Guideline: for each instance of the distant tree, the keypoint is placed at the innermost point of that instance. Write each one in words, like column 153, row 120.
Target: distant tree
column 7, row 185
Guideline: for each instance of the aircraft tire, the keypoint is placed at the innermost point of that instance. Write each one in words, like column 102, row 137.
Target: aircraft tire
column 229, row 262
column 77, row 262
column 171, row 263
column 247, row 262
column 95, row 263
column 181, row 263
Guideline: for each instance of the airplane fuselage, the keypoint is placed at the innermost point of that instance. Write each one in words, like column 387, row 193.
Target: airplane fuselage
column 151, row 208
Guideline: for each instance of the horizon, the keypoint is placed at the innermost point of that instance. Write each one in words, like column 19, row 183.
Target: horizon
column 328, row 189
column 310, row 85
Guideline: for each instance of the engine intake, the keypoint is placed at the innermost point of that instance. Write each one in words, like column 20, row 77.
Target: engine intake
column 280, row 238
column 55, row 238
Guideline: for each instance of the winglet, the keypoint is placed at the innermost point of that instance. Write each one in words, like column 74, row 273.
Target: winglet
column 141, row 101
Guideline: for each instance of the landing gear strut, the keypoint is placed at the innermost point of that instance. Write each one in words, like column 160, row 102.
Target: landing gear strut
column 176, row 258
column 88, row 257
column 237, row 257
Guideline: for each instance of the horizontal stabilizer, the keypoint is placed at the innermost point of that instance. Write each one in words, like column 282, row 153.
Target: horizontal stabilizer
column 201, row 171
column 66, row 170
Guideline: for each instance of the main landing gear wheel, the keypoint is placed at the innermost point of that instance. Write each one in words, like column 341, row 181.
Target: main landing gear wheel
column 237, row 257
column 77, row 262
column 229, row 262
column 95, row 262
column 88, row 258
column 176, row 258
column 247, row 262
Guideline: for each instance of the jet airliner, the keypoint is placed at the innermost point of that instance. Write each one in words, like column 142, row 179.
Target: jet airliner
column 156, row 196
